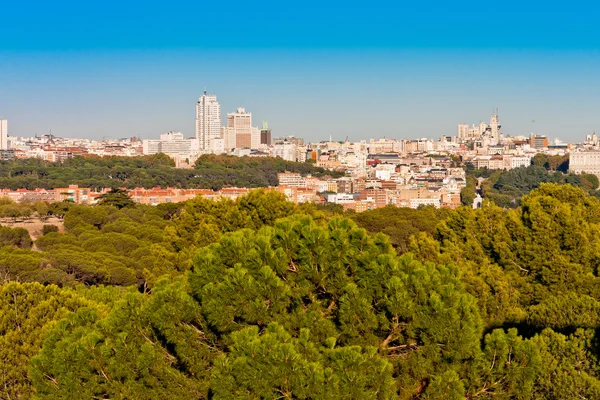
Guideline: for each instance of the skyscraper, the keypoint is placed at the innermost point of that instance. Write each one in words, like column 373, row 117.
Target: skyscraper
column 239, row 132
column 208, row 122
column 3, row 134
column 265, row 134
column 494, row 128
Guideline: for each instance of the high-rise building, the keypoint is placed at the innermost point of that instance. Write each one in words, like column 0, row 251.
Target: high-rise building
column 494, row 128
column 3, row 134
column 265, row 134
column 208, row 122
column 463, row 131
column 239, row 132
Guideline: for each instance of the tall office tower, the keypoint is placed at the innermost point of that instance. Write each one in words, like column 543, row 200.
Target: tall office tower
column 239, row 132
column 3, row 134
column 208, row 122
column 265, row 134
column 494, row 128
column 463, row 131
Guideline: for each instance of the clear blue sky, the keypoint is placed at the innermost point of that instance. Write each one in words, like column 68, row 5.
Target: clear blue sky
column 311, row 68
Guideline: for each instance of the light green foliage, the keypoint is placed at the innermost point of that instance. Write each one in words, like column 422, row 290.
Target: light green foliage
column 534, row 267
column 570, row 371
column 202, row 221
column 535, row 264
column 133, row 245
column 343, row 287
column 26, row 312
column 264, row 299
column 14, row 210
column 275, row 364
column 507, row 368
column 151, row 348
column 29, row 266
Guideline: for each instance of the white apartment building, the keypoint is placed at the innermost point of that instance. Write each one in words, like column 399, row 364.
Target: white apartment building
column 385, row 145
column 291, row 179
column 285, row 150
column 520, row 161
column 585, row 162
column 208, row 122
column 463, row 131
column 3, row 134
column 172, row 144
column 416, row 202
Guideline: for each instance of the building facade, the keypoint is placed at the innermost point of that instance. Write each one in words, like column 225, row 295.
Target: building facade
column 265, row 134
column 239, row 132
column 172, row 144
column 208, row 123
column 3, row 134
column 585, row 162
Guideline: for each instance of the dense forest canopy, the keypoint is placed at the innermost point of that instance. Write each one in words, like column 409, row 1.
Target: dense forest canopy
column 261, row 298
column 505, row 188
column 209, row 172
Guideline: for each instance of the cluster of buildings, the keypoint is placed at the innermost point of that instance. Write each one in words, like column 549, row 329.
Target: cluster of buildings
column 377, row 172
column 403, row 182
column 153, row 196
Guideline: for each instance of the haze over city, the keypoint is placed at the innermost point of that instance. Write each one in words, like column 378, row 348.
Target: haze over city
column 84, row 70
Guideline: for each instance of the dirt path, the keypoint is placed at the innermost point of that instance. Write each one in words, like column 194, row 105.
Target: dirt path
column 33, row 225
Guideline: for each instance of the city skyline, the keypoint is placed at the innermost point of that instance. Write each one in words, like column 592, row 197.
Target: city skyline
column 388, row 71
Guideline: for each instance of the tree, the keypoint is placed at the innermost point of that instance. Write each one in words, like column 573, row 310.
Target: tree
column 27, row 309
column 118, row 198
column 301, row 309
column 46, row 229
column 128, row 351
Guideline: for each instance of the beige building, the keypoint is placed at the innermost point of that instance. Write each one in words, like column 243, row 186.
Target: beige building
column 239, row 132
column 291, row 179
column 585, row 162
column 3, row 134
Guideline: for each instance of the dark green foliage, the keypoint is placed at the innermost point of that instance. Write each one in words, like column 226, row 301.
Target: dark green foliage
column 551, row 163
column 213, row 172
column 400, row 223
column 302, row 309
column 26, row 312
column 469, row 192
column 343, row 288
column 46, row 229
column 265, row 299
column 133, row 245
column 223, row 170
column 505, row 188
column 116, row 198
column 16, row 237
